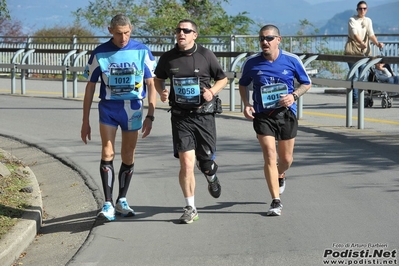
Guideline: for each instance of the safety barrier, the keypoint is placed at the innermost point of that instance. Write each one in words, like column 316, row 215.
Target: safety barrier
column 350, row 84
column 64, row 68
column 233, row 73
column 69, row 64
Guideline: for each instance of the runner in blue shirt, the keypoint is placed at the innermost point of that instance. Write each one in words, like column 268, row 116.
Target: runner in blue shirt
column 126, row 70
column 273, row 112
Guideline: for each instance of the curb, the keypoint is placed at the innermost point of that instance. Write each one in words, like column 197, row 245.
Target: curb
column 21, row 235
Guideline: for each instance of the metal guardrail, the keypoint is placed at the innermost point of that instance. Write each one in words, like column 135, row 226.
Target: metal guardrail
column 232, row 75
column 350, row 84
column 64, row 67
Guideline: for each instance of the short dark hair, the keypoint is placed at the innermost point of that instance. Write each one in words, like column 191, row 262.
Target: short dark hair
column 270, row 27
column 361, row 3
column 193, row 24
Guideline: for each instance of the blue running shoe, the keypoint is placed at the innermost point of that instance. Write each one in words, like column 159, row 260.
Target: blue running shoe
column 107, row 212
column 123, row 209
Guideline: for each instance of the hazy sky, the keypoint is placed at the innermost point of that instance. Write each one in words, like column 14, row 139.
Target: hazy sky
column 37, row 14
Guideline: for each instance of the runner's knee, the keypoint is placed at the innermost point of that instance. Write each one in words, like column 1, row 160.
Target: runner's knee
column 208, row 167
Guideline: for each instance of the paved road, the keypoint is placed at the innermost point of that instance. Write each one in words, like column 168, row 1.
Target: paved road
column 343, row 188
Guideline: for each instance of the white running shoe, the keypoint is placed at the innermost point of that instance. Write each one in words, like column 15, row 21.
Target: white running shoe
column 123, row 209
column 107, row 212
column 275, row 208
column 190, row 215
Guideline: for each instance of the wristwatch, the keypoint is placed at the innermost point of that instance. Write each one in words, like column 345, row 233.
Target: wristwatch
column 151, row 117
column 295, row 97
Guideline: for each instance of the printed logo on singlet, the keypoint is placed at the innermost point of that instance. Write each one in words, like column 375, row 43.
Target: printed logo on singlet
column 259, row 73
column 125, row 65
column 285, row 72
column 174, row 70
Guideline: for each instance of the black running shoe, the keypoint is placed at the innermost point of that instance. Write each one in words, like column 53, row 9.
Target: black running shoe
column 214, row 187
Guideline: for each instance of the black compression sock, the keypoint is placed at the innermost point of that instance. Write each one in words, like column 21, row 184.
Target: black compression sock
column 107, row 178
column 124, row 177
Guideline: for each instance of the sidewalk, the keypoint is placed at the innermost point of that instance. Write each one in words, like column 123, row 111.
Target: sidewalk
column 15, row 242
column 43, row 234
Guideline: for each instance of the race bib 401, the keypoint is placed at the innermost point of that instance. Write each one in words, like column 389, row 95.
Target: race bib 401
column 271, row 94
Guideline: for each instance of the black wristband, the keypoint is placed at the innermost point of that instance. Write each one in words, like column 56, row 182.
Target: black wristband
column 295, row 97
column 151, row 117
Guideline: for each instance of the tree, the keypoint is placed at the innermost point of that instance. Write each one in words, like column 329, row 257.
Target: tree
column 11, row 30
column 159, row 17
column 59, row 34
column 4, row 13
column 304, row 44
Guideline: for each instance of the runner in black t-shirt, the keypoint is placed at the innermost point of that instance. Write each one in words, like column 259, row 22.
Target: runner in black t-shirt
column 190, row 69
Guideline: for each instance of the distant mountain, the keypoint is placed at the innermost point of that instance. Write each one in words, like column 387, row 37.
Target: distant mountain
column 338, row 24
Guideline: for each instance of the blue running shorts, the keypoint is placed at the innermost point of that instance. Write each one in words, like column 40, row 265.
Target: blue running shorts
column 127, row 114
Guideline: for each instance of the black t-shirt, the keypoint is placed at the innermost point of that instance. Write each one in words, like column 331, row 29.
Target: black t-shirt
column 202, row 63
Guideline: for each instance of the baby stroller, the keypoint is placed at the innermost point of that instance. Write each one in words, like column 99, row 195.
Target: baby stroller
column 386, row 98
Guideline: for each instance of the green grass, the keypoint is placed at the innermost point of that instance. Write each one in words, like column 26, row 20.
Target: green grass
column 12, row 201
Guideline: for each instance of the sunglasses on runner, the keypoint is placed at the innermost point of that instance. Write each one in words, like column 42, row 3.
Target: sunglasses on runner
column 185, row 30
column 267, row 38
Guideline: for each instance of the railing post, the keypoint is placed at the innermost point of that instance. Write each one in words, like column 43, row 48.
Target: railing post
column 13, row 70
column 349, row 91
column 232, row 81
column 26, row 55
column 349, row 96
column 13, row 89
column 64, row 75
column 362, row 76
column 360, row 110
column 75, row 74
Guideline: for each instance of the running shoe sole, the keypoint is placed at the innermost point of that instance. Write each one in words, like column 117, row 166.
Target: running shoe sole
column 129, row 214
column 104, row 217
column 187, row 217
column 124, row 212
column 273, row 213
column 195, row 218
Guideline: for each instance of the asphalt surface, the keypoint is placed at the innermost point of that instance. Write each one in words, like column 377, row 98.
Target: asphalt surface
column 342, row 190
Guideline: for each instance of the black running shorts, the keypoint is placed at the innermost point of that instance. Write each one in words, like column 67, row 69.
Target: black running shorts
column 195, row 132
column 280, row 123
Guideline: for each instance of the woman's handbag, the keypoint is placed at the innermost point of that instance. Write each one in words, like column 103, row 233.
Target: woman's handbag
column 352, row 47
